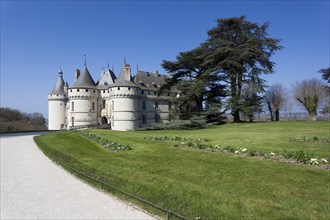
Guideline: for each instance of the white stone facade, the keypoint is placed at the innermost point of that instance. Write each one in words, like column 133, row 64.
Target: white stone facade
column 122, row 103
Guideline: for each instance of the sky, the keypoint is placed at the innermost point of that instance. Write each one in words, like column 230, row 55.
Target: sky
column 40, row 37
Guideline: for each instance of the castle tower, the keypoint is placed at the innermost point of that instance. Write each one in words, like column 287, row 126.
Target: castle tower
column 83, row 97
column 57, row 99
column 124, row 97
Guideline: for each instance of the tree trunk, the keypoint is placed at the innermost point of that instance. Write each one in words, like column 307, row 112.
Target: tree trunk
column 234, row 99
column 235, row 114
column 199, row 103
column 311, row 117
column 270, row 111
column 277, row 115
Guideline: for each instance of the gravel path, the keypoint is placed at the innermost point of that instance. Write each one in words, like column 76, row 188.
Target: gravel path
column 33, row 187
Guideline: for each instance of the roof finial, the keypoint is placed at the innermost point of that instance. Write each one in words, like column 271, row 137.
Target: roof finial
column 108, row 65
column 60, row 73
column 124, row 60
column 113, row 68
column 85, row 60
column 137, row 67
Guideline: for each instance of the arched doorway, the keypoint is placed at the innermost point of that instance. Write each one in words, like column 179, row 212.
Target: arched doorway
column 104, row 120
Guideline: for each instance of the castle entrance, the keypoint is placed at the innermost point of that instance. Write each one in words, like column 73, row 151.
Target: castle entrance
column 104, row 120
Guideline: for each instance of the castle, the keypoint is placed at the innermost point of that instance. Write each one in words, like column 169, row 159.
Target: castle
column 121, row 103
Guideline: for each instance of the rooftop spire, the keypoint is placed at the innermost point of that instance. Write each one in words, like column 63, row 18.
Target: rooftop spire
column 124, row 60
column 137, row 67
column 108, row 65
column 60, row 73
column 85, row 60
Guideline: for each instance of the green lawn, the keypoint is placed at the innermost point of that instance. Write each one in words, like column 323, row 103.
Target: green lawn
column 205, row 184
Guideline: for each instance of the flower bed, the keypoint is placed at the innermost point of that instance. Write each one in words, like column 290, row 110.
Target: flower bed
column 172, row 138
column 111, row 145
column 286, row 156
column 310, row 139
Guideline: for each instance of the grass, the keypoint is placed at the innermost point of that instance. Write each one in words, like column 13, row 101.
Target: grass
column 204, row 184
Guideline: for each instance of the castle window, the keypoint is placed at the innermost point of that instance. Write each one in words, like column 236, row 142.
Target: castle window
column 156, row 118
column 94, row 90
column 142, row 92
column 144, row 119
column 113, row 120
column 103, row 103
column 168, row 94
column 103, row 91
column 86, row 90
column 156, row 105
column 129, row 88
column 93, row 105
column 72, row 106
column 70, row 90
column 155, row 93
column 169, row 106
column 112, row 105
column 77, row 90
column 118, row 88
column 144, row 107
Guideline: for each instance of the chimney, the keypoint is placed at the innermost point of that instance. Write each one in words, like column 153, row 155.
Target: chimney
column 77, row 74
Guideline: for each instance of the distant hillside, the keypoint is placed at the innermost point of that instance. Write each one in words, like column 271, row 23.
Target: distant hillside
column 12, row 120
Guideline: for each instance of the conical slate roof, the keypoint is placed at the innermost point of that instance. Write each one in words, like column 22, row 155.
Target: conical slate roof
column 124, row 77
column 59, row 86
column 85, row 80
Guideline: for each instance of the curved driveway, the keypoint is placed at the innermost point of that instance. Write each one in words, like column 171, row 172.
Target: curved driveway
column 33, row 187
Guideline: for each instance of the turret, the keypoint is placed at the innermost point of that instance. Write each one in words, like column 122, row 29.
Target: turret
column 124, row 95
column 83, row 101
column 57, row 100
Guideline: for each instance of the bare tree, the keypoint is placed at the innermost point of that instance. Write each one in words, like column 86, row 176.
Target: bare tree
column 309, row 93
column 275, row 99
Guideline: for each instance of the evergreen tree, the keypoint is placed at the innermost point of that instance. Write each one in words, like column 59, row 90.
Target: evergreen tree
column 236, row 54
column 199, row 90
column 238, row 50
column 325, row 74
